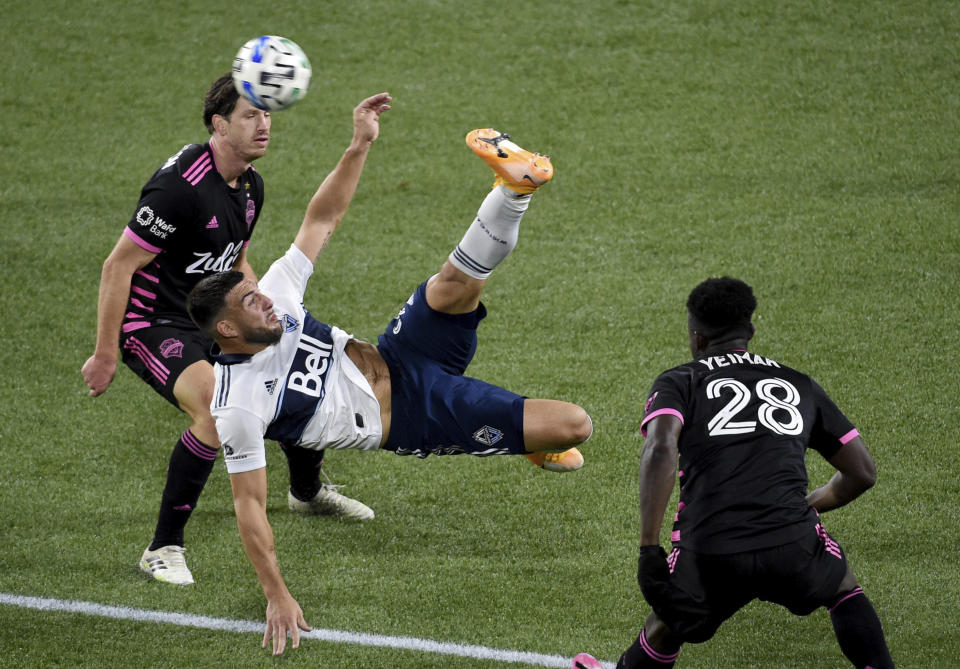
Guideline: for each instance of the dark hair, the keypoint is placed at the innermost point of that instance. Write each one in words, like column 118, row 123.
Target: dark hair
column 722, row 306
column 209, row 297
column 220, row 99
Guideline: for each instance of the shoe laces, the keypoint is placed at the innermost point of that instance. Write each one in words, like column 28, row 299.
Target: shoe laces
column 329, row 485
column 173, row 556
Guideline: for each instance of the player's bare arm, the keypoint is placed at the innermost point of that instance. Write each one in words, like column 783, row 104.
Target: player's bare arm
column 658, row 469
column 125, row 259
column 856, row 473
column 283, row 612
column 329, row 204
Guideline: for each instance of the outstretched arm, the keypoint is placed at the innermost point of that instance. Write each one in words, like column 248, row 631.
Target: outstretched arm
column 330, row 202
column 856, row 473
column 283, row 612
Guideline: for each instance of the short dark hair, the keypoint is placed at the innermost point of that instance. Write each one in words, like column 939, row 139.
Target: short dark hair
column 220, row 99
column 722, row 306
column 208, row 298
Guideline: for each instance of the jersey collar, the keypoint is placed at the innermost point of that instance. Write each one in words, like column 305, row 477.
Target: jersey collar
column 228, row 358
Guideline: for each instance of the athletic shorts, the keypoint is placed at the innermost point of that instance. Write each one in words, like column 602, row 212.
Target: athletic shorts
column 802, row 576
column 158, row 354
column 435, row 408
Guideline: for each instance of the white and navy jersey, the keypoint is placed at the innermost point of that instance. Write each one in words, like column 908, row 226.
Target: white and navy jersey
column 196, row 224
column 303, row 390
column 747, row 423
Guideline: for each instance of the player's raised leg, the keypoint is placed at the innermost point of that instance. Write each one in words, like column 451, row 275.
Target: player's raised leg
column 551, row 427
column 495, row 230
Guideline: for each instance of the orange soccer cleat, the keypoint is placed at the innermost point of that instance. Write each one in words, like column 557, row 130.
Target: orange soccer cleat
column 569, row 460
column 518, row 169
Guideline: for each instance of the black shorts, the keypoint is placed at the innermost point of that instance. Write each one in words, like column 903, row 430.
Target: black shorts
column 801, row 576
column 158, row 354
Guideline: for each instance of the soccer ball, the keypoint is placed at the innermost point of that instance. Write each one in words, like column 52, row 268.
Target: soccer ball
column 271, row 72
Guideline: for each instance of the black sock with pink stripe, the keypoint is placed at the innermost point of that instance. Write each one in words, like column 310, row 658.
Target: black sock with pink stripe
column 859, row 633
column 190, row 465
column 641, row 655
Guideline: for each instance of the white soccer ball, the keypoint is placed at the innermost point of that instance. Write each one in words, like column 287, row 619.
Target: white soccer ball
column 271, row 72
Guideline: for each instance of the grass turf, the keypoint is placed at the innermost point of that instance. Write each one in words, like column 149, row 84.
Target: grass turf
column 808, row 149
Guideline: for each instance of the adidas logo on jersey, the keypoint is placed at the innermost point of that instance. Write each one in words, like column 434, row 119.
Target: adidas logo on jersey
column 213, row 223
column 270, row 385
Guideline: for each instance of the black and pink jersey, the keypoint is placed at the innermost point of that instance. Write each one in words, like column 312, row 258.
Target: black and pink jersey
column 196, row 224
column 747, row 423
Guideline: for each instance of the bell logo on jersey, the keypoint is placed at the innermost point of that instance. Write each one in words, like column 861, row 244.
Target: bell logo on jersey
column 313, row 356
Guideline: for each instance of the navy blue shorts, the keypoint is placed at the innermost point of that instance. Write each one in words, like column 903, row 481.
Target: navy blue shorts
column 159, row 354
column 802, row 576
column 436, row 409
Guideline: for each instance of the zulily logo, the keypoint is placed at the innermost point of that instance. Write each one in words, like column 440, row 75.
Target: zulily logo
column 206, row 263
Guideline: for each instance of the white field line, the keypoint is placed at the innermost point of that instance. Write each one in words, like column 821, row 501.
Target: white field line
column 249, row 626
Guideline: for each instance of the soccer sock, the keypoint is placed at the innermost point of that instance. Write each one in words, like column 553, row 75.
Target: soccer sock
column 304, row 464
column 493, row 233
column 190, row 465
column 859, row 633
column 641, row 655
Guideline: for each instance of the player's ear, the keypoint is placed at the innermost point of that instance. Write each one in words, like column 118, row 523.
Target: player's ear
column 698, row 343
column 226, row 329
column 753, row 331
column 219, row 124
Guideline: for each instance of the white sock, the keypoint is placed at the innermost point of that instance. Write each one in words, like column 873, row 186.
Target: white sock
column 493, row 233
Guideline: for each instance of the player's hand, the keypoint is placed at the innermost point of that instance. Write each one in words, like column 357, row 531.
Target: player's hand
column 98, row 373
column 283, row 616
column 653, row 575
column 366, row 117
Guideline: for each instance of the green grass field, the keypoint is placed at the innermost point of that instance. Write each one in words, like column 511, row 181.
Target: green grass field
column 808, row 148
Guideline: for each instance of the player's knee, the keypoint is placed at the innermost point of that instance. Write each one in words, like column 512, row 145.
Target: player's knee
column 848, row 583
column 574, row 427
column 660, row 636
column 580, row 426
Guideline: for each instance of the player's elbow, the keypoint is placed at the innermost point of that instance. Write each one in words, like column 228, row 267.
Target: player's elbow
column 867, row 475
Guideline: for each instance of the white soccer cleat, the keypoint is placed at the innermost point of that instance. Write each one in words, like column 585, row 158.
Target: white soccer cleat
column 167, row 564
column 329, row 502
